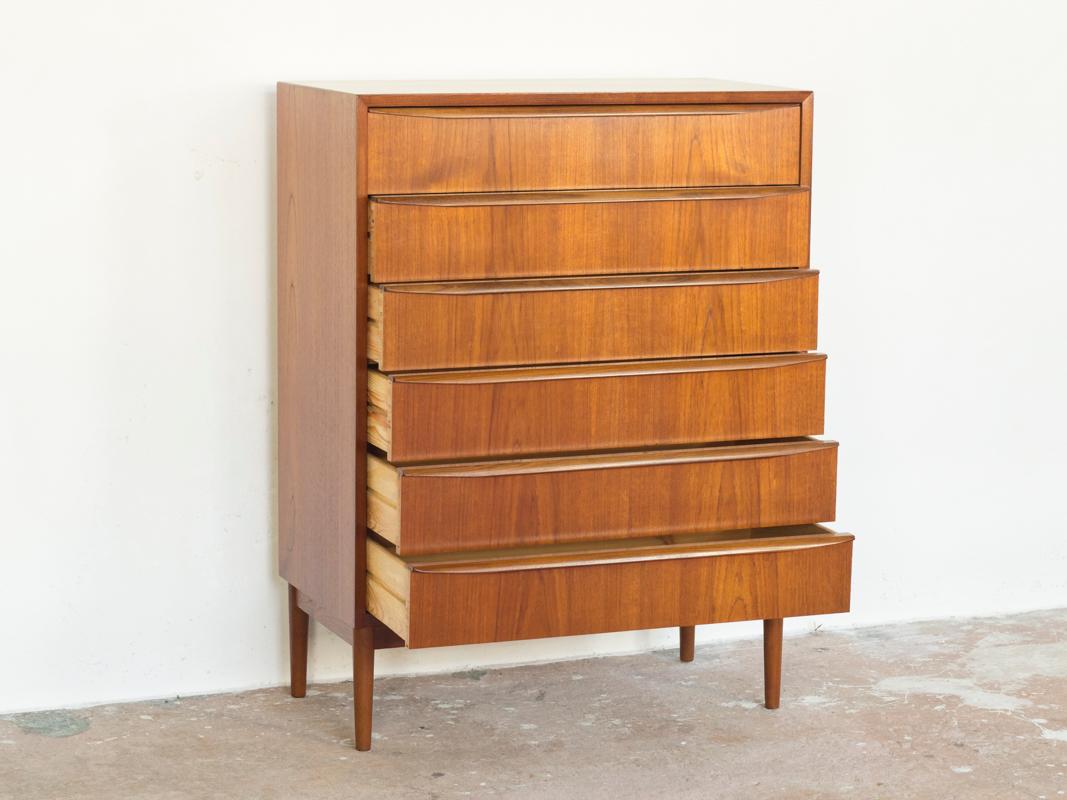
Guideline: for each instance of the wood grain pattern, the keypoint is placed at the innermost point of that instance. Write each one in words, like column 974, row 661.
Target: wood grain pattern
column 459, row 606
column 460, row 237
column 541, row 501
column 530, row 411
column 321, row 430
column 560, row 320
column 517, row 149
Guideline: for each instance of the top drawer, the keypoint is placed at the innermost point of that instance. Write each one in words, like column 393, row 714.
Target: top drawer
column 501, row 149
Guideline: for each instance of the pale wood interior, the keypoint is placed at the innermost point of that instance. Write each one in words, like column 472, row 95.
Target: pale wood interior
column 379, row 409
column 383, row 499
column 388, row 588
column 374, row 323
column 387, row 607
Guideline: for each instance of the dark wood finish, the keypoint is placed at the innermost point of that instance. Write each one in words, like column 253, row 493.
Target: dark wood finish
column 772, row 662
column 321, row 301
column 500, row 323
column 687, row 643
column 298, row 646
column 528, row 411
column 363, row 684
column 460, row 237
column 503, row 148
column 456, row 605
column 434, row 509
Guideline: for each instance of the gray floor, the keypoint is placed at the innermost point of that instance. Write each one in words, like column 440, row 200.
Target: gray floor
column 962, row 708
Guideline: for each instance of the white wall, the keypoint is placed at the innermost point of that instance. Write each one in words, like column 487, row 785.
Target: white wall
column 137, row 304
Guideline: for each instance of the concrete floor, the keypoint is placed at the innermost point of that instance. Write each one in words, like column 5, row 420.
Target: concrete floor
column 953, row 709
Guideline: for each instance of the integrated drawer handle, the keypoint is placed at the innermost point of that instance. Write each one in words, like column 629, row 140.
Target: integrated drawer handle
column 624, row 461
column 586, row 197
column 541, row 112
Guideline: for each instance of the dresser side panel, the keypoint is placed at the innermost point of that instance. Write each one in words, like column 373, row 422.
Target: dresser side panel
column 321, row 369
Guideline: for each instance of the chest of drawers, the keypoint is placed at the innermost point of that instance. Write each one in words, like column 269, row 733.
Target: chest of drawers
column 545, row 368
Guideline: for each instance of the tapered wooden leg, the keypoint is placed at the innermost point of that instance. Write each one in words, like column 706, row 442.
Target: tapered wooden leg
column 298, row 647
column 687, row 642
column 772, row 662
column 363, row 684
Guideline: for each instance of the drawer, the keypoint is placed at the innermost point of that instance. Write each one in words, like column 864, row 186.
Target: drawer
column 519, row 148
column 610, row 586
column 431, row 416
column 553, row 321
column 459, row 237
column 532, row 502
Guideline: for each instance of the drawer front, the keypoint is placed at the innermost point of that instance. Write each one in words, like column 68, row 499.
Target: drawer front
column 429, row 605
column 501, row 323
column 459, row 237
column 533, row 502
column 491, row 149
column 511, row 412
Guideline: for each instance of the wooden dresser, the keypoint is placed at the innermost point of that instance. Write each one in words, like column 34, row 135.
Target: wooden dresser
column 544, row 366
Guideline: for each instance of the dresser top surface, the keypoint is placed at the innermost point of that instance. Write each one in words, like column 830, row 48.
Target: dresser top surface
column 548, row 87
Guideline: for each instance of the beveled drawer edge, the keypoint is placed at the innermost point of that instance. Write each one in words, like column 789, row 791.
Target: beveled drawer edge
column 606, row 369
column 580, row 110
column 601, row 461
column 623, row 557
column 393, row 570
column 376, row 291
column 586, row 196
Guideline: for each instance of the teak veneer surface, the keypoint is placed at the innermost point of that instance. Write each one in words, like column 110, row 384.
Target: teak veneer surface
column 561, row 320
column 494, row 504
column 582, row 147
column 322, row 293
column 536, row 421
column 523, row 411
column 612, row 586
column 460, row 237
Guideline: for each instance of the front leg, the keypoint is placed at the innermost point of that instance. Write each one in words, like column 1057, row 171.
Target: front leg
column 772, row 662
column 687, row 642
column 363, row 684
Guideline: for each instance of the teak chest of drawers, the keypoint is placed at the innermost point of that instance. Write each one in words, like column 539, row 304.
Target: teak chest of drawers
column 544, row 368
